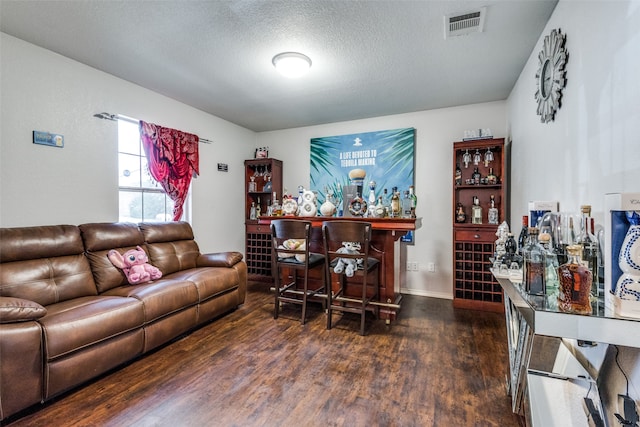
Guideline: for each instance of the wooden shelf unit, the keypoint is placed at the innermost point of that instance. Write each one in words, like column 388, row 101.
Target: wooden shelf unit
column 257, row 236
column 474, row 287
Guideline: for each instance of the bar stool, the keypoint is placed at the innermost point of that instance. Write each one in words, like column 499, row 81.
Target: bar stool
column 290, row 251
column 353, row 296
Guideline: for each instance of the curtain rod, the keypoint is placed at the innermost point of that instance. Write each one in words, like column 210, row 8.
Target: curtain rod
column 116, row 117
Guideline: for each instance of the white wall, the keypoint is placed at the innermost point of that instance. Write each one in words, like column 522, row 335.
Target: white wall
column 593, row 146
column 436, row 130
column 42, row 185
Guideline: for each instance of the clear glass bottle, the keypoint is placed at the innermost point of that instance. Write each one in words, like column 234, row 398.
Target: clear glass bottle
column 524, row 234
column 414, row 201
column 379, row 209
column 406, row 205
column 493, row 211
column 533, row 265
column 395, row 202
column 575, row 283
column 252, row 211
column 589, row 244
column 476, row 211
column 253, row 187
column 386, row 202
column 551, row 264
column 276, row 208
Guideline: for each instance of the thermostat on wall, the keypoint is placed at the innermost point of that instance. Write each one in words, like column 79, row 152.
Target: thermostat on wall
column 223, row 167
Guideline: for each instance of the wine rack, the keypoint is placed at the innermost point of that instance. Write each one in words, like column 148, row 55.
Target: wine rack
column 474, row 287
column 258, row 237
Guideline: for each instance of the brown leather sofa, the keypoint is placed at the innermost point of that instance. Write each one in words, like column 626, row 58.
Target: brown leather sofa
column 68, row 315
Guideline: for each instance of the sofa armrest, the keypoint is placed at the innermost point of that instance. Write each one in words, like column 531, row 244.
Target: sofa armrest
column 220, row 259
column 19, row 310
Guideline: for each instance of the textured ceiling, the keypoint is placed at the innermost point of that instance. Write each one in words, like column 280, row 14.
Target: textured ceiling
column 370, row 58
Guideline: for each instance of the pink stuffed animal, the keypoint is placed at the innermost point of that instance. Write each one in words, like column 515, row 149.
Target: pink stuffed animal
column 135, row 265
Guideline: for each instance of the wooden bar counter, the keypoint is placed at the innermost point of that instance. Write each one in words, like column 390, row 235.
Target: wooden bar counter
column 385, row 246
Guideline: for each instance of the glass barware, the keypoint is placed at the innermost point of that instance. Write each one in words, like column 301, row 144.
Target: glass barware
column 466, row 158
column 477, row 158
column 488, row 157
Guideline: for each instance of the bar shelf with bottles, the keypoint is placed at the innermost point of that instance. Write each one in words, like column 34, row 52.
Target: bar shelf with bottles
column 479, row 206
column 262, row 178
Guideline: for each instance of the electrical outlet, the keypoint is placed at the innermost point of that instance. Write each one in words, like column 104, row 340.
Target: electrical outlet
column 412, row 266
column 431, row 267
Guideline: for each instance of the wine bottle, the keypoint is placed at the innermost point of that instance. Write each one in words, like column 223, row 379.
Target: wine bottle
column 524, row 233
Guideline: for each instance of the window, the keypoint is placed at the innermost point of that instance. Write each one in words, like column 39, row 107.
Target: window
column 141, row 197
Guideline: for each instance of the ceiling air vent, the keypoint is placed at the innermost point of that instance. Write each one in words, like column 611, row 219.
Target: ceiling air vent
column 466, row 23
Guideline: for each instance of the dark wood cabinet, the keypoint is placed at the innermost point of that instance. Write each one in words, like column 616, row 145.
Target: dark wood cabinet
column 257, row 236
column 474, row 287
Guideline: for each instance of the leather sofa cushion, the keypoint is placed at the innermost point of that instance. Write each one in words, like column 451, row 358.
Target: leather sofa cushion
column 209, row 281
column 158, row 232
column 110, row 235
column 160, row 297
column 99, row 239
column 44, row 264
column 48, row 280
column 26, row 243
column 220, row 259
column 74, row 325
column 170, row 246
column 19, row 310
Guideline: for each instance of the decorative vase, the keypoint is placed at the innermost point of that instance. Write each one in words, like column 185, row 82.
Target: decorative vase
column 308, row 206
column 628, row 286
column 328, row 208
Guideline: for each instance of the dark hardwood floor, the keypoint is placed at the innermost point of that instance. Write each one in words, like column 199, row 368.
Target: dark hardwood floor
column 434, row 366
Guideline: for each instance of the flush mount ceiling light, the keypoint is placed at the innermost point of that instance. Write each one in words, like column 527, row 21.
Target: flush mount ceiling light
column 292, row 64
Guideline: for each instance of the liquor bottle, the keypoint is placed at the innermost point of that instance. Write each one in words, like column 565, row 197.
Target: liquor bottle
column 406, row 205
column 458, row 176
column 372, row 195
column 510, row 246
column 524, row 233
column 267, row 186
column 476, row 211
column 533, row 265
column 476, row 176
column 551, row 264
column 379, row 209
column 461, row 217
column 252, row 211
column 258, row 208
column 493, row 211
column 386, row 202
column 589, row 244
column 414, row 201
column 395, row 202
column 492, row 179
column 276, row 208
column 575, row 283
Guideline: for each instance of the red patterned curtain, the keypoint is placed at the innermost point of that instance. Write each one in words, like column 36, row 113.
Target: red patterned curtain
column 172, row 156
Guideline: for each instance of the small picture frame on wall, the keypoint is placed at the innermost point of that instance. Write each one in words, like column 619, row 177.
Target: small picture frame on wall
column 47, row 138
